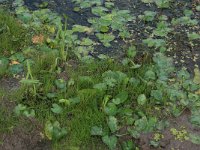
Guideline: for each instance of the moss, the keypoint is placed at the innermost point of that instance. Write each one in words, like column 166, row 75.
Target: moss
column 13, row 36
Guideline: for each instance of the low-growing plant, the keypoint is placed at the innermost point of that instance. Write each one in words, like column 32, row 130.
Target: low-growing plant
column 148, row 16
column 193, row 36
column 162, row 29
column 157, row 43
column 163, row 3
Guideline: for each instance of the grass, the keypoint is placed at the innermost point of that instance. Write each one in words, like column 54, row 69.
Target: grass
column 7, row 119
column 80, row 118
column 13, row 36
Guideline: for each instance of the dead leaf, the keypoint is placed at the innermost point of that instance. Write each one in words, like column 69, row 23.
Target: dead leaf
column 14, row 62
column 38, row 39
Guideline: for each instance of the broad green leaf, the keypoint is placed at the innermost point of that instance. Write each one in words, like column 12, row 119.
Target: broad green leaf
column 110, row 141
column 56, row 109
column 150, row 75
column 112, row 123
column 96, row 130
column 19, row 109
column 141, row 99
column 194, row 138
column 157, row 95
column 110, row 109
column 131, row 52
column 122, row 96
column 48, row 129
column 128, row 145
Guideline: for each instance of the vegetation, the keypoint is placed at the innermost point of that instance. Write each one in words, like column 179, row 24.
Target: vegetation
column 13, row 36
column 89, row 101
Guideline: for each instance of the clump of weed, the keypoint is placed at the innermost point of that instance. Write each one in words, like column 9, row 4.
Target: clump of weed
column 13, row 36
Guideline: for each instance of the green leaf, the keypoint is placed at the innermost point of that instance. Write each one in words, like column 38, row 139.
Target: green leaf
column 56, row 109
column 64, row 101
column 141, row 99
column 150, row 75
column 110, row 141
column 48, row 129
column 110, row 109
column 194, row 138
column 193, row 36
column 79, row 28
column 157, row 95
column 195, row 119
column 112, row 123
column 19, row 109
column 60, row 83
column 122, row 96
column 29, row 81
column 131, row 52
column 15, row 69
column 196, row 76
column 53, row 131
column 134, row 82
column 97, row 131
column 30, row 113
column 128, row 145
column 100, row 86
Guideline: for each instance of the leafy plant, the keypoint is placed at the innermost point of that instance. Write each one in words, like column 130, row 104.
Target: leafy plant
column 162, row 29
column 148, row 16
column 105, row 38
column 21, row 109
column 157, row 43
column 163, row 3
column 110, row 141
column 193, row 36
column 53, row 131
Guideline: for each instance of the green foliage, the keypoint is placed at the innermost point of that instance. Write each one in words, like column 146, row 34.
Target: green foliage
column 157, row 43
column 141, row 99
column 23, row 110
column 105, row 38
column 53, row 131
column 148, row 16
column 162, row 29
column 193, row 36
column 110, row 141
column 163, row 3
